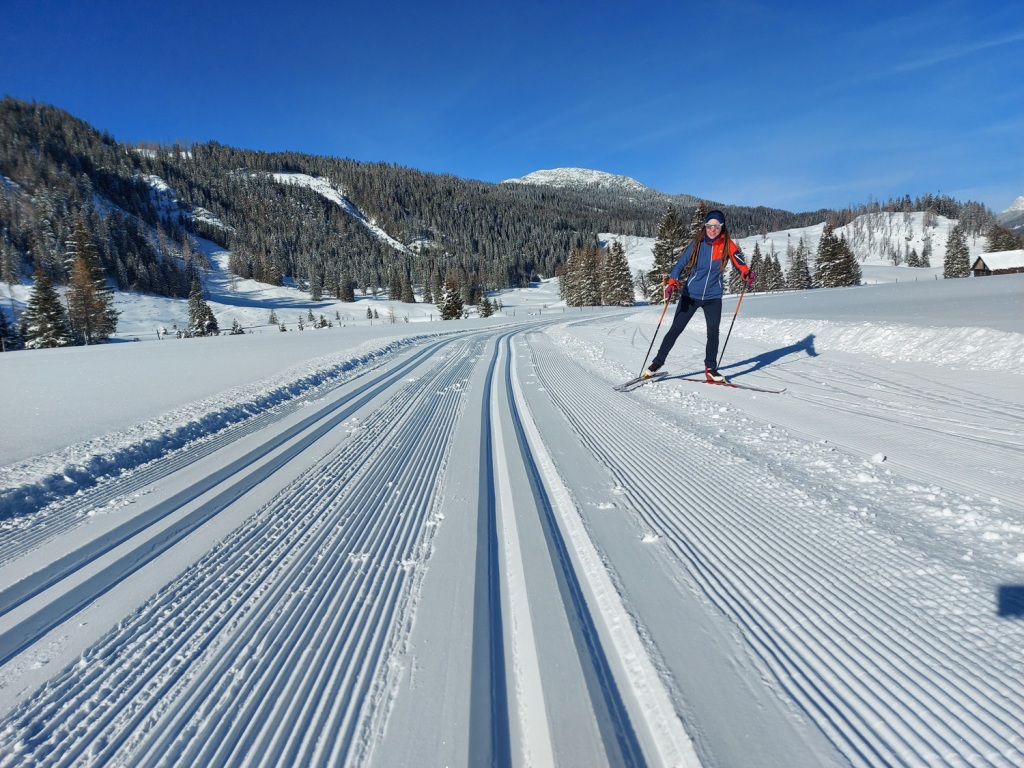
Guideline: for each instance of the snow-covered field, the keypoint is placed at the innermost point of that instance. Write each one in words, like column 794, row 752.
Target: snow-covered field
column 454, row 544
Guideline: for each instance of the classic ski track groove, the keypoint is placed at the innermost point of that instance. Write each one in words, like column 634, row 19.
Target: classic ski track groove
column 762, row 562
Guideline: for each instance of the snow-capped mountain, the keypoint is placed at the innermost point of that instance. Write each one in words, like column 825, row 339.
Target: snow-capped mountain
column 577, row 178
column 1013, row 217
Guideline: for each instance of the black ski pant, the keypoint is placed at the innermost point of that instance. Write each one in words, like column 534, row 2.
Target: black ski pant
column 686, row 309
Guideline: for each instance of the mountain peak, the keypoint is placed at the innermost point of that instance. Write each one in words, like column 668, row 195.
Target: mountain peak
column 580, row 177
column 1017, row 206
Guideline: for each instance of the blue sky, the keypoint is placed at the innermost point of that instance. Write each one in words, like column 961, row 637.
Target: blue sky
column 796, row 105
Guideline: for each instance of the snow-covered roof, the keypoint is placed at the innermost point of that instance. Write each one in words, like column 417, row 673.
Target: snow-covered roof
column 1002, row 259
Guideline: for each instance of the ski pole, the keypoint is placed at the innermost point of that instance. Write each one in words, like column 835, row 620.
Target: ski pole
column 656, row 329
column 721, row 356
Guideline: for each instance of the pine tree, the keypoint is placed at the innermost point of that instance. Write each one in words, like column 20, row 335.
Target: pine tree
column 958, row 257
column 697, row 222
column 10, row 339
column 616, row 283
column 408, row 297
column 485, row 307
column 1002, row 238
column 346, row 289
column 672, row 237
column 799, row 276
column 757, row 265
column 201, row 321
column 827, row 265
column 90, row 300
column 44, row 323
column 451, row 302
column 273, row 317
column 849, row 267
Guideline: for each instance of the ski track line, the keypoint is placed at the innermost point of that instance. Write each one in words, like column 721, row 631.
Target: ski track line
column 321, row 579
column 490, row 727
column 649, row 704
column 619, row 738
column 741, row 552
column 535, row 736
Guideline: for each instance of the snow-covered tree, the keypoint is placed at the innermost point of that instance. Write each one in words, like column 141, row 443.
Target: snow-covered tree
column 44, row 323
column 201, row 321
column 958, row 257
column 836, row 265
column 616, row 283
column 799, row 276
column 451, row 302
column 757, row 264
column 580, row 283
column 1002, row 238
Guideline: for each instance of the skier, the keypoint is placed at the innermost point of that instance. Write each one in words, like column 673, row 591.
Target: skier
column 705, row 261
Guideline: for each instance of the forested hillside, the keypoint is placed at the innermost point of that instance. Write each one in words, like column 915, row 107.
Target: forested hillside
column 139, row 204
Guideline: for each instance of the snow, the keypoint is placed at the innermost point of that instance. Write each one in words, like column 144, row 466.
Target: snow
column 422, row 543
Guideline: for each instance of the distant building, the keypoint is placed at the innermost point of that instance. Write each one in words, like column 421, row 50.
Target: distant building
column 998, row 263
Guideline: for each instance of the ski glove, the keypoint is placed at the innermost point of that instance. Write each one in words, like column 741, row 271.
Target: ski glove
column 749, row 277
column 672, row 285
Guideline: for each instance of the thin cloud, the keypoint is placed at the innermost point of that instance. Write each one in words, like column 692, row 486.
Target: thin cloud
column 956, row 53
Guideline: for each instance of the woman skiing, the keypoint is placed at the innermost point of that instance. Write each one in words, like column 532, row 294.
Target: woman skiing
column 705, row 261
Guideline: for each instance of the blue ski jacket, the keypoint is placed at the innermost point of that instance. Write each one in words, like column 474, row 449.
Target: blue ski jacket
column 705, row 280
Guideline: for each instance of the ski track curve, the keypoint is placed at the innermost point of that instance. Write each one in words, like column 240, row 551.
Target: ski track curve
column 823, row 614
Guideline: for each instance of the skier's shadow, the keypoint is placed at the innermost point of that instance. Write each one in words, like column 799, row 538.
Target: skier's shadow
column 1010, row 599
column 804, row 346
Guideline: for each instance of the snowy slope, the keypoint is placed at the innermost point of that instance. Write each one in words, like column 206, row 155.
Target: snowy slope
column 872, row 237
column 454, row 543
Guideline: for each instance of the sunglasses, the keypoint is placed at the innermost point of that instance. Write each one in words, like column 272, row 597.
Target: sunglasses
column 713, row 226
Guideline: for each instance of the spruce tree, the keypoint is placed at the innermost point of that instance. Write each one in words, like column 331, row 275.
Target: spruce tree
column 10, row 339
column 44, row 323
column 672, row 237
column 1002, row 238
column 958, row 257
column 799, row 276
column 408, row 297
column 827, row 269
column 451, row 302
column 90, row 300
column 697, row 222
column 757, row 264
column 201, row 321
column 616, row 282
column 485, row 307
column 849, row 267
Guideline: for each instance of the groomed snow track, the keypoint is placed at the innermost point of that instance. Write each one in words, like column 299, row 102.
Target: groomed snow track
column 478, row 554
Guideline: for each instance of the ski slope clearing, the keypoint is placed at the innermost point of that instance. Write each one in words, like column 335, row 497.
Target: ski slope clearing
column 456, row 544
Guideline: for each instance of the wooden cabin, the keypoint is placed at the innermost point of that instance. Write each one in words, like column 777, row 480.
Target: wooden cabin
column 998, row 263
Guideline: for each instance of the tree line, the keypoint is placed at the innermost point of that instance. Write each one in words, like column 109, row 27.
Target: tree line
column 60, row 174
